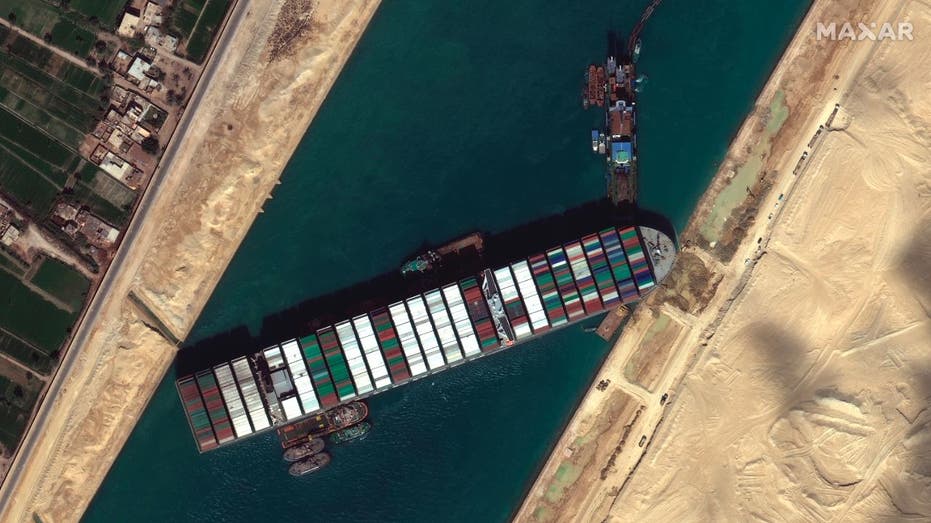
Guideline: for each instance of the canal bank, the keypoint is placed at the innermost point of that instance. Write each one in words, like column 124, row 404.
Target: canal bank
column 511, row 146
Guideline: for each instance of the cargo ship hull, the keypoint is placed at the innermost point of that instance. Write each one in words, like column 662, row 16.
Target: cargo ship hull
column 420, row 335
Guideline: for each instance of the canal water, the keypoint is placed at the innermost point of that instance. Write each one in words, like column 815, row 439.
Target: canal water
column 450, row 117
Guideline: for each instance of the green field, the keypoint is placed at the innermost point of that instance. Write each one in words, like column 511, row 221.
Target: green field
column 56, row 103
column 62, row 281
column 10, row 264
column 183, row 19
column 197, row 22
column 23, row 353
column 25, row 135
column 207, row 27
column 42, row 18
column 28, row 316
column 107, row 11
column 106, row 197
column 16, row 404
column 71, row 37
column 12, row 418
column 25, row 185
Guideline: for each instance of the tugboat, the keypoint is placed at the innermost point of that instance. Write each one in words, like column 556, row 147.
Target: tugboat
column 304, row 450
column 346, row 415
column 421, row 264
column 636, row 54
column 354, row 432
column 308, row 465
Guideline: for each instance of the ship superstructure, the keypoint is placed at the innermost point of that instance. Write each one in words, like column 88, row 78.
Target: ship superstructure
column 423, row 334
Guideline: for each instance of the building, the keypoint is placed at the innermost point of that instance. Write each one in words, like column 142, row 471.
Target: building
column 129, row 25
column 137, row 70
column 98, row 232
column 116, row 167
column 152, row 15
column 155, row 38
column 10, row 235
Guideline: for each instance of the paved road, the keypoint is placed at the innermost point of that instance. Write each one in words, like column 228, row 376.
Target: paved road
column 152, row 194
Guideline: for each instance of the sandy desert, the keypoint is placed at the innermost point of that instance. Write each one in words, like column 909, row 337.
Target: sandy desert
column 792, row 368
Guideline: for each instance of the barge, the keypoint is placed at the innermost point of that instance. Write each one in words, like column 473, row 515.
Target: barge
column 612, row 86
column 301, row 379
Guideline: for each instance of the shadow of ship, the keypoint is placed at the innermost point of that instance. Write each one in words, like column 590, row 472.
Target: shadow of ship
column 500, row 249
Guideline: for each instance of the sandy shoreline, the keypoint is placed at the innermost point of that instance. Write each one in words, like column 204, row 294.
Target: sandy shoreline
column 270, row 81
column 778, row 278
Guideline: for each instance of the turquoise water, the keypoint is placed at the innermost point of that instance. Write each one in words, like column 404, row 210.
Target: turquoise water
column 447, row 120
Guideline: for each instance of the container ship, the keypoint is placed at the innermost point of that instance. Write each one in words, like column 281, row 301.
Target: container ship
column 301, row 379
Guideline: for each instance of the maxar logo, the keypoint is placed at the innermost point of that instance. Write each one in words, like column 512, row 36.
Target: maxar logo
column 862, row 31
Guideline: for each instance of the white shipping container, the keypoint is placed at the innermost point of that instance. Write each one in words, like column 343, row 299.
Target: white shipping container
column 461, row 320
column 444, row 326
column 531, row 297
column 291, row 408
column 233, row 400
column 579, row 266
column 251, row 395
column 371, row 350
column 302, row 382
column 431, row 346
column 506, row 284
column 273, row 357
column 409, row 343
column 347, row 339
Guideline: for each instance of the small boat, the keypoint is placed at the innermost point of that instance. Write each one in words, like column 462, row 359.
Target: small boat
column 346, row 415
column 353, row 432
column 421, row 264
column 308, row 465
column 307, row 449
column 636, row 53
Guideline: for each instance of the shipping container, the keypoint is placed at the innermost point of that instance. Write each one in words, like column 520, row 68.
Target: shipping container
column 216, row 409
column 444, row 326
column 513, row 305
column 620, row 268
column 354, row 358
column 425, row 332
column 233, row 400
column 528, row 291
column 478, row 312
column 559, row 265
column 251, row 394
column 601, row 271
column 390, row 346
column 583, row 278
column 372, row 352
column 274, row 358
column 639, row 264
column 416, row 361
column 319, row 373
column 339, row 369
column 292, row 408
column 548, row 290
column 196, row 414
column 302, row 381
column 461, row 321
